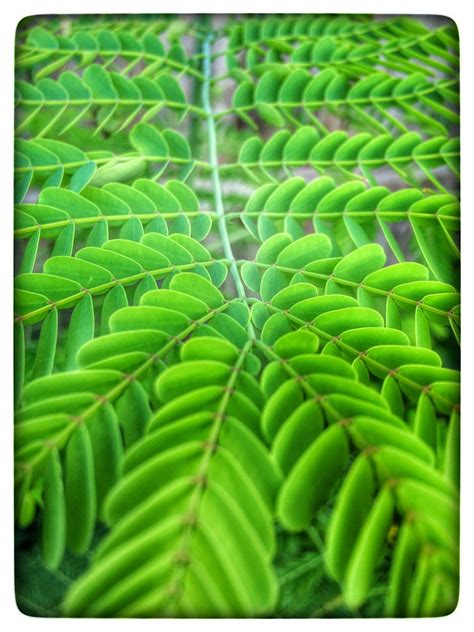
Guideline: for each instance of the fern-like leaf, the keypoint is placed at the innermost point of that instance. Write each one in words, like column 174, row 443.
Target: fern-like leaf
column 237, row 348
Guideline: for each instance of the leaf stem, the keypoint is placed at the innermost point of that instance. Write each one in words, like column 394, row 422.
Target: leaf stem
column 70, row 301
column 216, row 184
column 177, row 584
column 141, row 55
column 26, row 231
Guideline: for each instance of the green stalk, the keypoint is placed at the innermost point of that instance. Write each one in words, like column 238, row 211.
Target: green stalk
column 216, row 184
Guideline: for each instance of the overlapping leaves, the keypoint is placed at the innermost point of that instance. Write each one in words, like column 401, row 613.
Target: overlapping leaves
column 47, row 52
column 96, row 212
column 280, row 95
column 196, row 425
column 46, row 162
column 346, row 155
column 354, row 47
column 351, row 210
column 213, row 474
column 110, row 383
column 55, row 106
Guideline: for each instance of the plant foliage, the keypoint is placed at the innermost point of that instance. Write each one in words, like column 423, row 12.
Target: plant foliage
column 237, row 315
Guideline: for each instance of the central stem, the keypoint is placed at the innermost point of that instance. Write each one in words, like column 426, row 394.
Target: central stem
column 216, row 184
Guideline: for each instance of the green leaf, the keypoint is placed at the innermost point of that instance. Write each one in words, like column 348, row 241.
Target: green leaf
column 46, row 349
column 53, row 526
column 80, row 491
column 148, row 141
column 106, row 441
column 324, row 461
column 81, row 329
column 363, row 561
column 352, row 506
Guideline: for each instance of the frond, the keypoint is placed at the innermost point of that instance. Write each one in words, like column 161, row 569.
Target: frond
column 394, row 473
column 280, row 95
column 347, row 156
column 97, row 210
column 355, row 48
column 237, row 312
column 47, row 52
column 298, row 275
column 355, row 216
column 113, row 368
column 44, row 162
column 214, row 503
column 54, row 106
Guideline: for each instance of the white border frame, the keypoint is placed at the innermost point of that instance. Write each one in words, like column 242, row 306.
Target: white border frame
column 11, row 14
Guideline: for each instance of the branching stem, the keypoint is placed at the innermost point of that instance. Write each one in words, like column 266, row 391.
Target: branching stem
column 216, row 184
